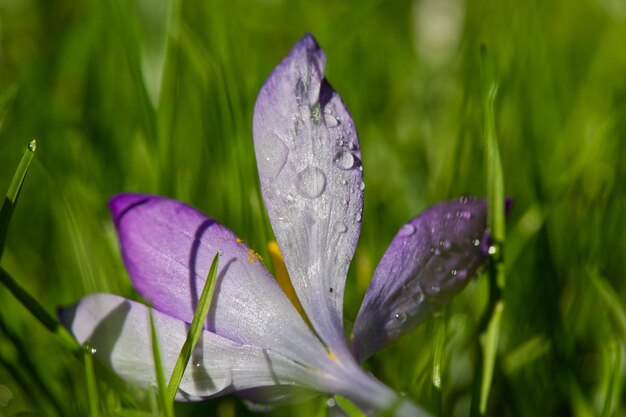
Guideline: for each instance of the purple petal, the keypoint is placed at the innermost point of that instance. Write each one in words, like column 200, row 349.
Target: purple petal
column 119, row 332
column 168, row 247
column 311, row 176
column 428, row 262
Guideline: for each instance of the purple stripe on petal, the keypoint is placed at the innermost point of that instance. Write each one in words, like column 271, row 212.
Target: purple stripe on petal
column 309, row 162
column 119, row 332
column 428, row 262
column 168, row 247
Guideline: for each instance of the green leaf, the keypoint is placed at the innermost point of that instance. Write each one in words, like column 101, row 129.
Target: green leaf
column 195, row 330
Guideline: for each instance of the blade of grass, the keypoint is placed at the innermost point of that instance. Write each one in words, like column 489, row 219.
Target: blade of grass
column 14, row 191
column 195, row 330
column 38, row 311
column 490, row 324
column 489, row 343
column 438, row 353
column 613, row 385
column 166, row 406
column 90, row 376
column 348, row 408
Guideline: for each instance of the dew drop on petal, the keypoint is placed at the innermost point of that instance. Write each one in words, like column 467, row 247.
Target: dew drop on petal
column 358, row 216
column 330, row 403
column 476, row 242
column 340, row 227
column 330, row 120
column 492, row 250
column 289, row 199
column 311, row 182
column 453, row 272
column 400, row 317
column 362, row 186
column 344, row 160
column 407, row 230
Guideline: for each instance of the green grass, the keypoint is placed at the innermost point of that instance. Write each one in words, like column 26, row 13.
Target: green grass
column 134, row 96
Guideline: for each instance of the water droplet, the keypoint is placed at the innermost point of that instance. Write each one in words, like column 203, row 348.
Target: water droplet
column 432, row 249
column 330, row 120
column 32, row 146
column 330, row 403
column 311, row 182
column 464, row 199
column 352, row 146
column 340, row 227
column 329, row 108
column 401, row 317
column 196, row 364
column 362, row 186
column 476, row 242
column 344, row 160
column 358, row 216
column 272, row 156
column 445, row 244
column 434, row 290
column 316, row 113
column 90, row 350
column 407, row 230
column 492, row 250
column 289, row 199
column 453, row 272
column 344, row 181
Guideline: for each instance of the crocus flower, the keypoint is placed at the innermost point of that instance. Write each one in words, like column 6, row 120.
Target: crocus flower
column 255, row 344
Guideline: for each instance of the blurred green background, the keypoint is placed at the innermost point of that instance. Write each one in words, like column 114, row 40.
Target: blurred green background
column 157, row 96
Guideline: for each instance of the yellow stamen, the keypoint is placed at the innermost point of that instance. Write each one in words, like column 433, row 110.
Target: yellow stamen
column 238, row 240
column 332, row 356
column 282, row 276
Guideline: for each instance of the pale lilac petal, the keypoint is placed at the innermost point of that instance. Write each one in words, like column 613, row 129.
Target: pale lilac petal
column 309, row 162
column 119, row 331
column 168, row 248
column 428, row 262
